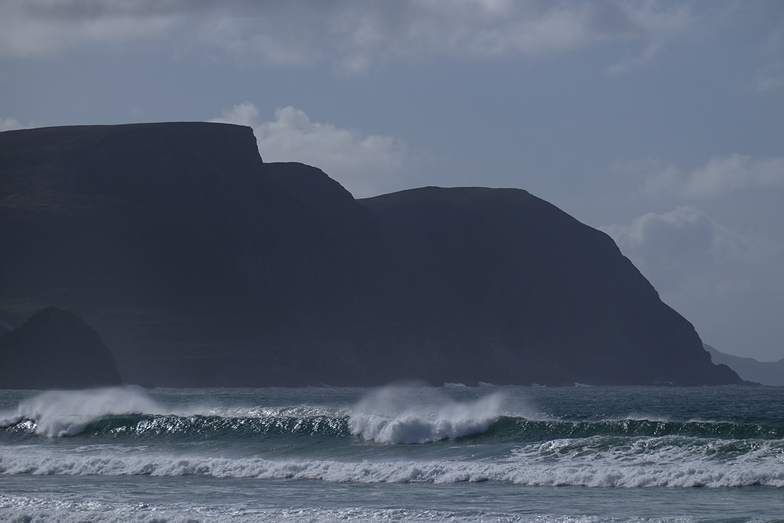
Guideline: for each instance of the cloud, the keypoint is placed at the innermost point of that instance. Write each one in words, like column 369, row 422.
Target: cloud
column 245, row 113
column 721, row 175
column 655, row 27
column 364, row 164
column 353, row 34
column 629, row 63
column 45, row 27
column 685, row 248
column 720, row 279
column 771, row 77
column 10, row 124
column 356, row 34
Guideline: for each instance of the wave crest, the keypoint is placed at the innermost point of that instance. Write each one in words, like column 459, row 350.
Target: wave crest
column 407, row 415
column 67, row 413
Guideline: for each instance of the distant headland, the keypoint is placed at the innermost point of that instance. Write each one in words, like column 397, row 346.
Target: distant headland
column 194, row 263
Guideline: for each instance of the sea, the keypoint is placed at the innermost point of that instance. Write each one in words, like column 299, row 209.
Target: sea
column 404, row 452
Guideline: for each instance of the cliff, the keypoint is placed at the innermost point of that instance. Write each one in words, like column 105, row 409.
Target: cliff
column 200, row 265
column 548, row 298
column 762, row 372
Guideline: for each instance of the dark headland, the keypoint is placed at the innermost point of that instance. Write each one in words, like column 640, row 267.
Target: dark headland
column 199, row 265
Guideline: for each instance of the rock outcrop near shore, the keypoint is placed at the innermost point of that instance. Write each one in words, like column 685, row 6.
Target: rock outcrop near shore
column 55, row 349
column 200, row 265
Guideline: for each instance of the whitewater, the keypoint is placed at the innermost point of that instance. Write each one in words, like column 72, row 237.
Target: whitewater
column 397, row 453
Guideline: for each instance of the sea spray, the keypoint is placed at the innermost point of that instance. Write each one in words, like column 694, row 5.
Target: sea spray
column 66, row 413
column 411, row 414
column 283, row 454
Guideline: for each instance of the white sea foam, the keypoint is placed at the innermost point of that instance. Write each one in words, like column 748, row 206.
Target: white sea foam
column 532, row 466
column 65, row 413
column 31, row 509
column 400, row 414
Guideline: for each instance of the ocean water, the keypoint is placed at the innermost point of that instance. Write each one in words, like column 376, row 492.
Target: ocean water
column 397, row 453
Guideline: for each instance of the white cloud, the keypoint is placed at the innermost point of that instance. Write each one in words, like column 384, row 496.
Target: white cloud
column 10, row 124
column 729, row 284
column 245, row 113
column 43, row 27
column 350, row 33
column 721, row 175
column 632, row 62
column 355, row 34
column 685, row 248
column 655, row 27
column 364, row 164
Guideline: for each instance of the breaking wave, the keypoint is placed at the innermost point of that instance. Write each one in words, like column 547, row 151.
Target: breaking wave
column 67, row 413
column 421, row 415
column 552, row 464
column 405, row 428
column 390, row 415
column 390, row 436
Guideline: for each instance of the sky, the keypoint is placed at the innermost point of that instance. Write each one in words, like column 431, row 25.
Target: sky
column 659, row 123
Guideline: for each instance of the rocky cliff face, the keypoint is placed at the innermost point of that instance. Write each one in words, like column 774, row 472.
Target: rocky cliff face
column 762, row 372
column 547, row 298
column 201, row 265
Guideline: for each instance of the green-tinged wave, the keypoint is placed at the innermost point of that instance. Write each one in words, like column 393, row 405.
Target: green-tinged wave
column 504, row 428
column 515, row 428
column 199, row 426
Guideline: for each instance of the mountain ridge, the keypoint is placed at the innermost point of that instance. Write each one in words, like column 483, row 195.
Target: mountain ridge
column 750, row 369
column 201, row 265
